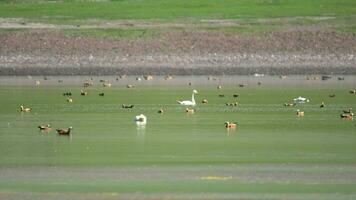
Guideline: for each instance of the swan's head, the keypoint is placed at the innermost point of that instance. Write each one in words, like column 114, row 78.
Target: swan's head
column 195, row 91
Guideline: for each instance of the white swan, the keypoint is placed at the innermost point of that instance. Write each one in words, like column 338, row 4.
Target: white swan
column 300, row 100
column 140, row 119
column 189, row 103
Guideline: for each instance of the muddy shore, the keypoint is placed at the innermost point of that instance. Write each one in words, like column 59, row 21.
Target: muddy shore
column 292, row 51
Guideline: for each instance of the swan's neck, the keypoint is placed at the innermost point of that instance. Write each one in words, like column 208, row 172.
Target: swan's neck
column 193, row 100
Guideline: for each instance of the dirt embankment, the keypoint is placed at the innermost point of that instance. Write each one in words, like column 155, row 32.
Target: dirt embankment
column 292, row 51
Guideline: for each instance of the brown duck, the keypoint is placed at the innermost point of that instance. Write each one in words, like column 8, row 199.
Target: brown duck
column 64, row 131
column 23, row 109
column 45, row 128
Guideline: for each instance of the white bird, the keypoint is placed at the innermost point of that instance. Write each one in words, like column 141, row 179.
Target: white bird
column 187, row 102
column 140, row 119
column 300, row 100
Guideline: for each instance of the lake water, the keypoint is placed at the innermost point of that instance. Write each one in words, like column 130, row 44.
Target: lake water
column 270, row 154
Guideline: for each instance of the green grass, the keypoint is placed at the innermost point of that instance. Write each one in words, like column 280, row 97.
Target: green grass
column 160, row 9
column 276, row 14
column 270, row 142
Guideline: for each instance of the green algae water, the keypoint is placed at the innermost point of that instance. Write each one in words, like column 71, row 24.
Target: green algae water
column 177, row 153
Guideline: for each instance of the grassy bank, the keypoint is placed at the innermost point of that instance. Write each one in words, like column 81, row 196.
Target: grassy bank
column 153, row 9
column 135, row 18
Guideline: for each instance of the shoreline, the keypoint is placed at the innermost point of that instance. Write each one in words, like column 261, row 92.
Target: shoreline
column 294, row 51
column 103, row 71
column 179, row 64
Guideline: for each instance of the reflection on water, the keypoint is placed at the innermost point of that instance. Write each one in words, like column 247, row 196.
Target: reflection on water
column 230, row 132
column 141, row 129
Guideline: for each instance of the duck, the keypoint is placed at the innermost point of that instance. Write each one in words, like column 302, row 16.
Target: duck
column 289, row 104
column 67, row 94
column 190, row 110
column 235, row 95
column 347, row 115
column 88, row 83
column 168, row 77
column 204, row 101
column 232, row 104
column 148, row 77
column 107, row 84
column 322, row 105
column 45, row 128
column 300, row 113
column 127, row 106
column 23, row 109
column 64, row 131
column 83, row 93
column 69, row 100
column 230, row 125
column 101, row 94
column 352, row 91
column 161, row 111
column 140, row 119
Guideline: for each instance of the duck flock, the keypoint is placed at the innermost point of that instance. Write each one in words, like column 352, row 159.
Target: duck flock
column 188, row 104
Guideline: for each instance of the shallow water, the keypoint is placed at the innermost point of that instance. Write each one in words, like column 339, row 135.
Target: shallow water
column 272, row 151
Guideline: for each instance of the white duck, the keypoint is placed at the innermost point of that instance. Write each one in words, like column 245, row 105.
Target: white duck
column 140, row 119
column 187, row 102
